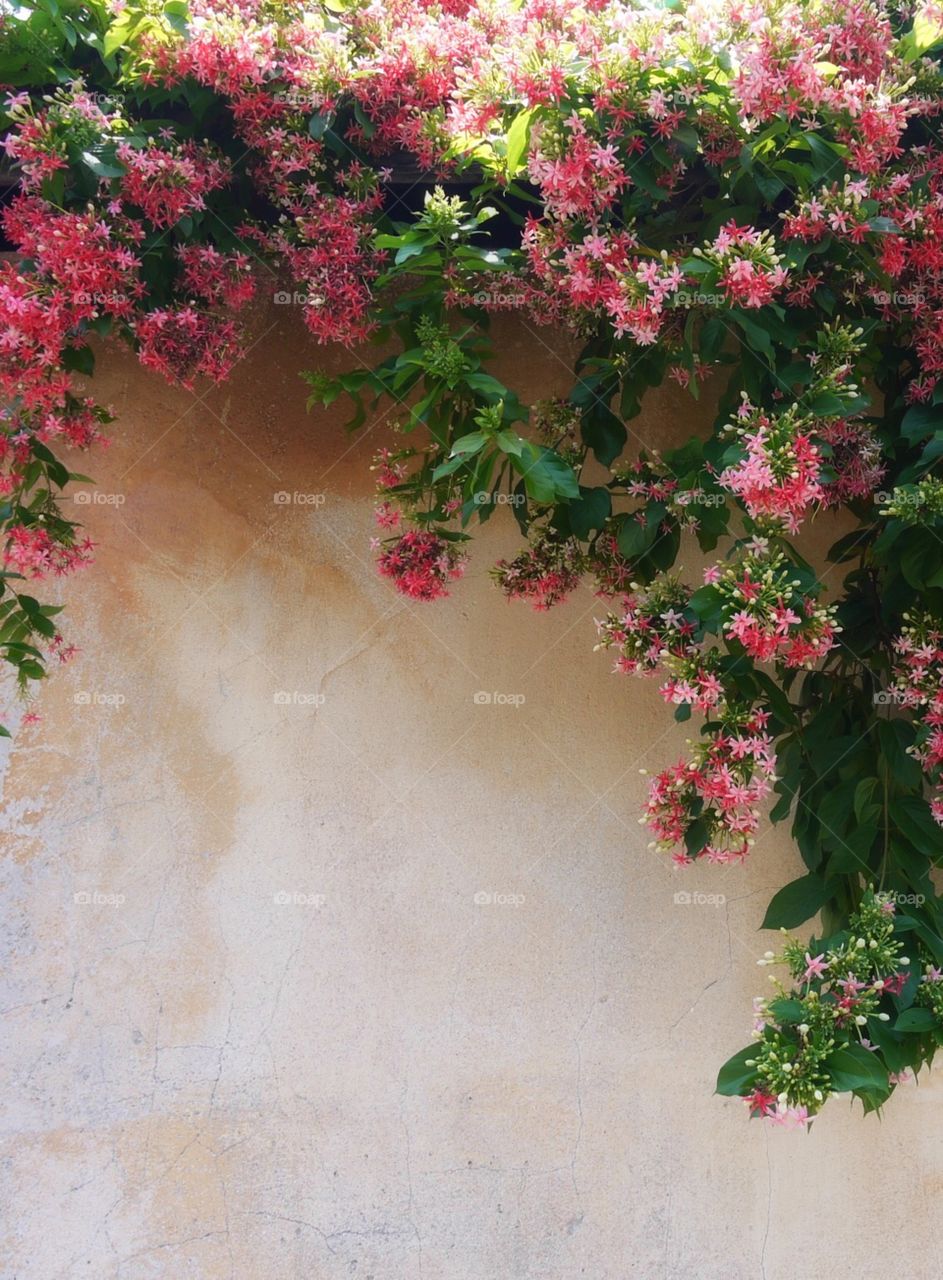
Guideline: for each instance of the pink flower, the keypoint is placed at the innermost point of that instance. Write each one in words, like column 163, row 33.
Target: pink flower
column 421, row 564
column 815, row 967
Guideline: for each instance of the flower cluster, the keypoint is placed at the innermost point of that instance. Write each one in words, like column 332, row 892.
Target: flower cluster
column 916, row 504
column 796, row 458
column 710, row 804
column 749, row 266
column 854, row 465
column 33, row 552
column 653, row 625
column 544, row 574
column 778, row 478
column 421, row 565
column 187, row 342
column 813, row 1040
column 167, row 183
column 766, row 609
column 918, row 685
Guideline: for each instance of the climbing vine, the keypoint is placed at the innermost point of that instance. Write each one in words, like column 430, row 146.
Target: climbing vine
column 744, row 199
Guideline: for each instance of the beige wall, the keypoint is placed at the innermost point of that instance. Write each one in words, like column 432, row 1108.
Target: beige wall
column 391, row 1081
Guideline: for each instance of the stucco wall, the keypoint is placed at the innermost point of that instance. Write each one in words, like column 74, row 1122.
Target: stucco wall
column 381, row 1077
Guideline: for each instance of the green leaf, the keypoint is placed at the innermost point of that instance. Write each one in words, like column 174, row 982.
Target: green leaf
column 708, row 604
column 856, row 1068
column 485, row 385
column 796, row 902
column 590, row 511
column 735, row 1078
column 787, row 1010
column 921, row 420
column 912, row 816
column 79, row 360
column 547, row 476
column 471, row 443
column 604, row 432
column 117, row 34
column 517, row 138
column 101, row 168
column 407, row 251
column 916, row 1021
column 896, row 736
column 634, row 537
column 509, row 442
column 864, row 796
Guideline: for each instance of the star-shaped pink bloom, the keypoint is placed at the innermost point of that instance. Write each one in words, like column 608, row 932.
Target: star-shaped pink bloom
column 815, row 967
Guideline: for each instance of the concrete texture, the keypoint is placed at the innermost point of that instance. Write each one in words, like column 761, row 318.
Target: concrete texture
column 260, row 1023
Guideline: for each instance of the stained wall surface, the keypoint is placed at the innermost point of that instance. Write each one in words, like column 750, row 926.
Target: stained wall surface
column 318, row 966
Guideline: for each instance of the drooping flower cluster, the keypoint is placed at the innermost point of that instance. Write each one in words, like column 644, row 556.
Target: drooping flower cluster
column 778, row 477
column 750, row 267
column 854, row 467
column 918, row 685
column 916, row 504
column 838, row 1002
column 187, row 342
column 611, row 570
column 167, row 183
column 765, row 608
column 709, row 805
column 32, row 551
column 805, row 455
column 652, row 626
column 544, row 574
column 421, row 565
